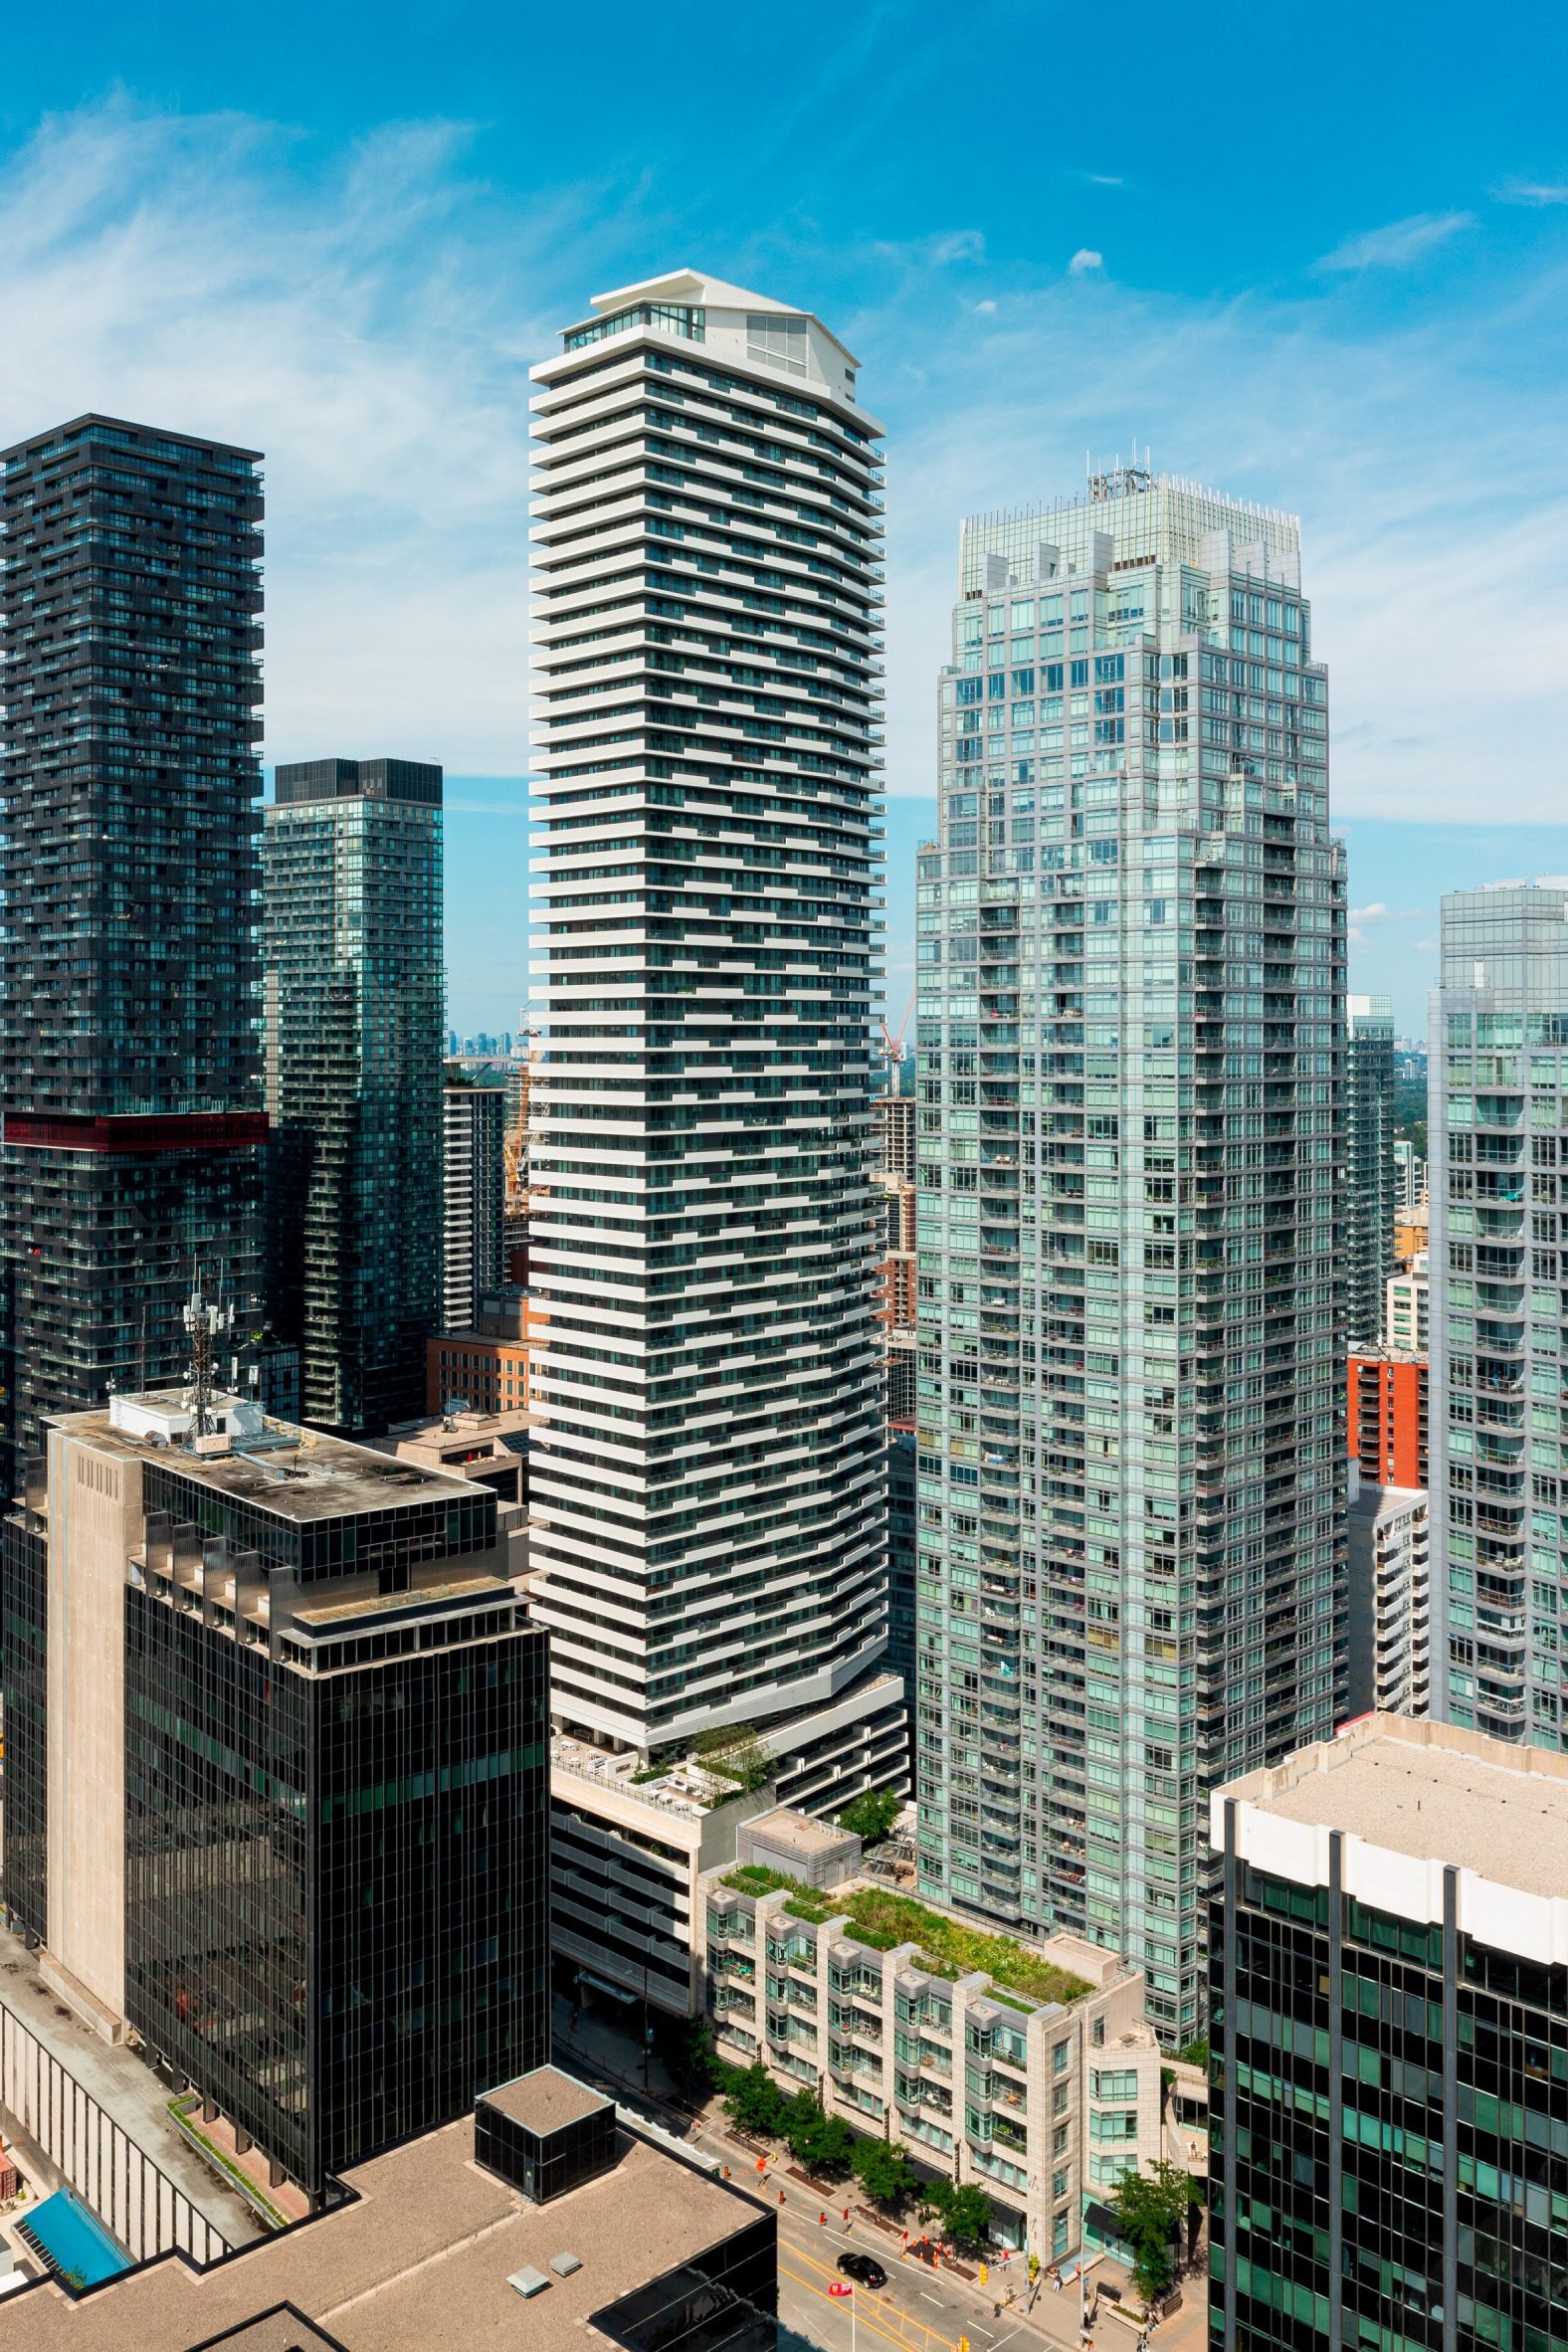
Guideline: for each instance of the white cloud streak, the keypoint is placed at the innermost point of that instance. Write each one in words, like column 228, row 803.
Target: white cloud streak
column 368, row 318
column 1418, row 457
column 1086, row 259
column 363, row 326
column 1535, row 193
column 1399, row 244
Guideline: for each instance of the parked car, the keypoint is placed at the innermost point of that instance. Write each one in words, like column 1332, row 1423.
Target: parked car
column 862, row 2266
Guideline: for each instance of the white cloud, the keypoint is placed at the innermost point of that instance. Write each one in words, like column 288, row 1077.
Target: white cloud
column 368, row 318
column 1366, row 914
column 361, row 323
column 1104, row 179
column 1399, row 244
column 1418, row 456
column 1086, row 259
column 987, row 309
column 959, row 245
column 1537, row 193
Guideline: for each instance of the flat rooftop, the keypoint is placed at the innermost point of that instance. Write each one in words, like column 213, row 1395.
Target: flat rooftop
column 296, row 1474
column 420, row 2255
column 545, row 2100
column 124, row 2086
column 1432, row 1792
column 798, row 1832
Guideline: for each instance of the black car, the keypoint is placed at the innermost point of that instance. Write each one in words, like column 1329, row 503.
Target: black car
column 862, row 2266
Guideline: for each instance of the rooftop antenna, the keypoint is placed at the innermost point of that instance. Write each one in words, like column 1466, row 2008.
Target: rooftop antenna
column 204, row 1322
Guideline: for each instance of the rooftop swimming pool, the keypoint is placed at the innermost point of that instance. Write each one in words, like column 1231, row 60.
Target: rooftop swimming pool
column 72, row 2240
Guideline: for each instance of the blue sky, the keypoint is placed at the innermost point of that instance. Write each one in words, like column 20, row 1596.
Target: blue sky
column 1317, row 258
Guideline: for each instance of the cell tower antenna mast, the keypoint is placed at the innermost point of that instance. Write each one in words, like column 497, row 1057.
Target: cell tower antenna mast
column 204, row 1322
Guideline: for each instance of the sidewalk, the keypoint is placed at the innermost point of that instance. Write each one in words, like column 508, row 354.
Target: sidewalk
column 595, row 2044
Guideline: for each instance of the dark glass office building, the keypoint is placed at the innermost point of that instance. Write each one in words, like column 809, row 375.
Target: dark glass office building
column 1389, row 2038
column 129, row 1063
column 329, row 1807
column 352, row 956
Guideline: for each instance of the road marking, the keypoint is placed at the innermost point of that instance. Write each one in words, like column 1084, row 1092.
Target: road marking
column 936, row 2299
column 870, row 2319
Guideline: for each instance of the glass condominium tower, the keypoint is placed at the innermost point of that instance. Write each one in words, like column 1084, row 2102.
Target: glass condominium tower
column 1368, row 1247
column 353, row 957
column 1130, row 1499
column 708, row 1480
column 129, row 1059
column 1497, row 1127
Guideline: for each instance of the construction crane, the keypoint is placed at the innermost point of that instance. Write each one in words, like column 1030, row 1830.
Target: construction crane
column 515, row 1145
column 892, row 1050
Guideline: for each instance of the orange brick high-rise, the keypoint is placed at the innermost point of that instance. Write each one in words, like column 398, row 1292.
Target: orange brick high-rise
column 1386, row 1416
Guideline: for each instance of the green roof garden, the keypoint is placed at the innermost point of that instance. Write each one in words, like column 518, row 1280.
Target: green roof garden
column 946, row 1947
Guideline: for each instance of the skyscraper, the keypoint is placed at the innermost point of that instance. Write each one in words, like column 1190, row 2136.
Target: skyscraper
column 128, row 1054
column 1368, row 1221
column 709, row 1476
column 1131, row 1036
column 282, row 1806
column 474, row 1214
column 1387, row 2164
column 1497, row 1127
column 353, row 957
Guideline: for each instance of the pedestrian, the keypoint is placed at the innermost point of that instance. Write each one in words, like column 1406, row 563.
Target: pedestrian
column 781, row 2196
column 846, row 2217
column 822, row 2221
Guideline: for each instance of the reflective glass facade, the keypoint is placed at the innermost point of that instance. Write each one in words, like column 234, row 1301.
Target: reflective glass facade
column 129, row 1065
column 1130, row 1061
column 24, row 1656
column 336, row 1908
column 1498, row 1123
column 1369, row 1164
column 352, row 956
column 1389, row 2130
column 336, row 1827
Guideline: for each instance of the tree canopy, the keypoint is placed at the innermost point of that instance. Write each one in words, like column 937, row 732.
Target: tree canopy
column 1150, row 2209
column 871, row 1815
column 964, row 2211
column 883, row 2171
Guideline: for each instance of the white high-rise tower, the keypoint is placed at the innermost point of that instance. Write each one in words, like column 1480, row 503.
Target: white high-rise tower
column 708, row 1472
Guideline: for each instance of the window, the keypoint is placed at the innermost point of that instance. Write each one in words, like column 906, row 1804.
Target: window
column 779, row 340
column 1115, row 2082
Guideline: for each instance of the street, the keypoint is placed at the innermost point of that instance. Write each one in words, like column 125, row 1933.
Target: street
column 920, row 2310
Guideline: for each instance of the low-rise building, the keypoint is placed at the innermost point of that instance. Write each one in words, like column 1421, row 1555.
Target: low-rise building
column 627, row 1848
column 1028, row 2068
column 548, row 2217
column 482, row 1366
column 1389, row 2147
column 1388, row 1611
column 489, row 1448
